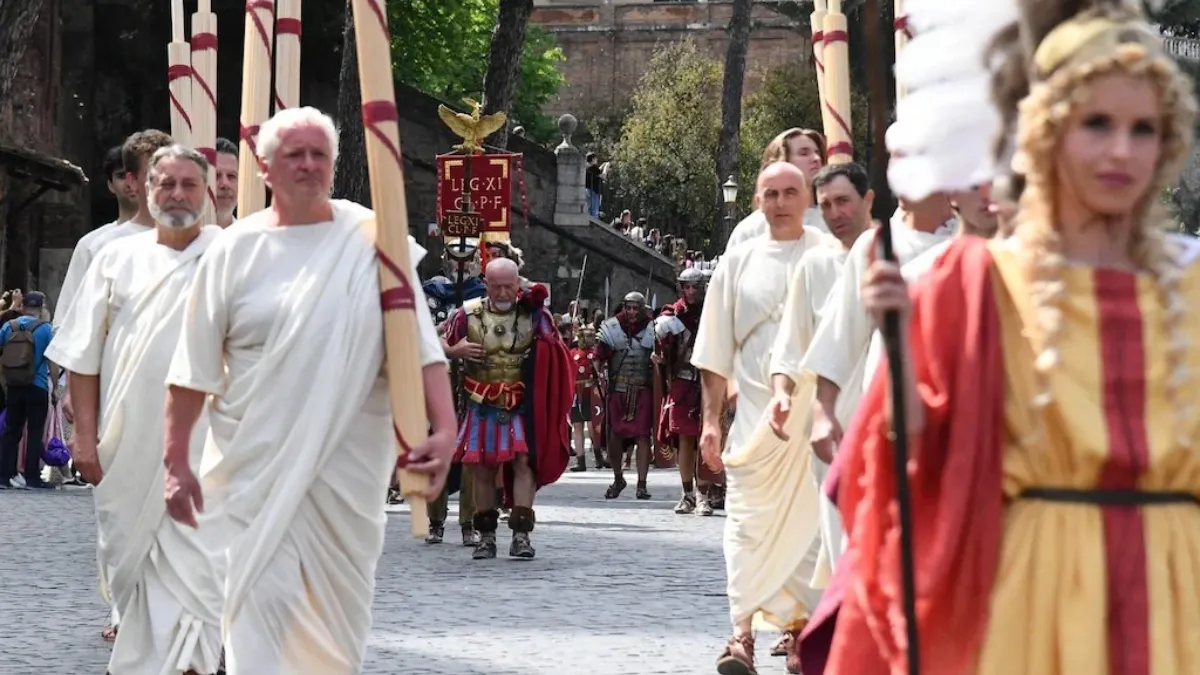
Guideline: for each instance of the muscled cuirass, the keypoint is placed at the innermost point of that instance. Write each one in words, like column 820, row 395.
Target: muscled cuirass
column 506, row 340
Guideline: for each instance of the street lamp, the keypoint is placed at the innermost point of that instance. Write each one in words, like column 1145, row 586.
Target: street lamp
column 729, row 190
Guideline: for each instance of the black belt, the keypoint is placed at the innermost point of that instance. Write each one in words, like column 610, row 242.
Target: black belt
column 1109, row 497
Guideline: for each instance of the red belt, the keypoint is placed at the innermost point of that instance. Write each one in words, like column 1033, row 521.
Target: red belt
column 503, row 395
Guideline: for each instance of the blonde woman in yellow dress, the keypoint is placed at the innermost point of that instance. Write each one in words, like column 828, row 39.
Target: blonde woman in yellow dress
column 1051, row 381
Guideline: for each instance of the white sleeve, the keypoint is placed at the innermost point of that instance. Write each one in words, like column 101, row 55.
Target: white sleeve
column 78, row 342
column 81, row 259
column 199, row 360
column 845, row 330
column 715, row 341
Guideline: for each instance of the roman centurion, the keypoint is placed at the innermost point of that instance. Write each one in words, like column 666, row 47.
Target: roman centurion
column 518, row 388
column 626, row 343
column 675, row 332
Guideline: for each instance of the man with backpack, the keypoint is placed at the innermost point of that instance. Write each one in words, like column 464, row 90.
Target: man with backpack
column 27, row 377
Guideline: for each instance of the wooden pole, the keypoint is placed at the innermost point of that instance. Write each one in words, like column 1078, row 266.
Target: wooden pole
column 204, row 98
column 256, row 103
column 837, row 85
column 179, row 77
column 817, row 23
column 287, row 54
column 386, row 169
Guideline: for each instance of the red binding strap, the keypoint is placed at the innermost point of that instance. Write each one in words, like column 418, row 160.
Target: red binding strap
column 251, row 7
column 901, row 25
column 837, row 36
column 375, row 113
column 176, row 73
column 287, row 26
column 401, row 297
column 405, row 448
column 203, row 41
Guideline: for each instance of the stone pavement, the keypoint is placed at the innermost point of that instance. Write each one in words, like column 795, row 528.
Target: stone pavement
column 617, row 588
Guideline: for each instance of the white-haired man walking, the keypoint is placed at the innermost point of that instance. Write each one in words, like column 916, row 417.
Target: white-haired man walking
column 117, row 342
column 284, row 340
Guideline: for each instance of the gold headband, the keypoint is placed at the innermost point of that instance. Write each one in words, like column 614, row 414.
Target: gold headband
column 1091, row 38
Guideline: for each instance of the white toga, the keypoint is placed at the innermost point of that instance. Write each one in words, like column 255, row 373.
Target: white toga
column 755, row 225
column 284, row 330
column 123, row 325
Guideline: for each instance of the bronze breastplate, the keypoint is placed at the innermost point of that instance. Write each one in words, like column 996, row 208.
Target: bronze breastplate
column 506, row 339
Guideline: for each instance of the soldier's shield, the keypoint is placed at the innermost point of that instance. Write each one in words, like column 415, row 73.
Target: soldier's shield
column 598, row 415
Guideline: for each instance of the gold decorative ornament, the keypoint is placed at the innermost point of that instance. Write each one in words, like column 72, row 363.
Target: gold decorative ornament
column 472, row 128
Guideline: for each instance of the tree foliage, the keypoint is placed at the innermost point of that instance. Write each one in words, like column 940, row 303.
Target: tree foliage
column 665, row 159
column 442, row 47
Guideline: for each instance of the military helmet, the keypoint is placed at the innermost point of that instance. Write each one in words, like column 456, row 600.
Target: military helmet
column 634, row 296
column 691, row 275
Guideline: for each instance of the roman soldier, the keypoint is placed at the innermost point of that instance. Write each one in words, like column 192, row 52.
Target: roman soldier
column 679, row 421
column 440, row 291
column 625, row 345
column 518, row 385
column 589, row 404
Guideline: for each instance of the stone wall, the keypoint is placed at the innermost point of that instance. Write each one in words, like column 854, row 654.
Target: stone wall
column 609, row 44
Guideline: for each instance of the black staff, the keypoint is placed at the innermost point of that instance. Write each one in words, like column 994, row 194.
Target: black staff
column 891, row 336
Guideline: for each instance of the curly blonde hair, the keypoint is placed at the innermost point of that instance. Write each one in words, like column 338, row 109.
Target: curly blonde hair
column 1040, row 121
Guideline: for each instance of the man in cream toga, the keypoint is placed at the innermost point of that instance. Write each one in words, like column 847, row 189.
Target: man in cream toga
column 117, row 342
column 283, row 346
column 770, row 501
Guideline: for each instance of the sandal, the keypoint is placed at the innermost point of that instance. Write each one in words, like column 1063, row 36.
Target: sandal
column 642, row 492
column 738, row 657
column 783, row 645
column 614, row 490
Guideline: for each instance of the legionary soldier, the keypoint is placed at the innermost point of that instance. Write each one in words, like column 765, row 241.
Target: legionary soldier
column 518, row 385
column 587, row 397
column 440, row 291
column 626, row 343
column 679, row 421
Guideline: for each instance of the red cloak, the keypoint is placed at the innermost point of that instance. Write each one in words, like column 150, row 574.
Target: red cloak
column 957, row 497
column 550, row 389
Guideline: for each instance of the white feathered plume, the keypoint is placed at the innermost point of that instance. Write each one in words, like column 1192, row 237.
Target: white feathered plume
column 946, row 124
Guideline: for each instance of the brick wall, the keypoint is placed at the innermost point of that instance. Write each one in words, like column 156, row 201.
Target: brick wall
column 609, row 46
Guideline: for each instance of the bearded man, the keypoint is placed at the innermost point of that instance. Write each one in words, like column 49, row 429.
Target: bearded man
column 518, row 390
column 625, row 345
column 282, row 344
column 117, row 341
column 679, row 421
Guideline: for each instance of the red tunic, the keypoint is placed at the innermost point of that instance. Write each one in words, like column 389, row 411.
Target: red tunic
column 680, row 414
column 956, row 490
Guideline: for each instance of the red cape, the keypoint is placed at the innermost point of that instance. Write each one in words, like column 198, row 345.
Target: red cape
column 550, row 387
column 858, row 629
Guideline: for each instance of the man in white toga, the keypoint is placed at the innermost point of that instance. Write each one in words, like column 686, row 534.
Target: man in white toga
column 283, row 346
column 770, row 500
column 117, row 342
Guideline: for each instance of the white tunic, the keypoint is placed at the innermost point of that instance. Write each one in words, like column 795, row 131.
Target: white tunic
column 124, row 325
column 284, row 329
column 755, row 225
column 839, row 349
column 81, row 258
column 771, row 501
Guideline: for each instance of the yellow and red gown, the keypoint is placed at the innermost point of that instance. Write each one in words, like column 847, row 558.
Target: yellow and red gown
column 1006, row 585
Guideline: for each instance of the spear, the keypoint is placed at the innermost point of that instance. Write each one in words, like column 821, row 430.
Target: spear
column 386, row 170
column 891, row 336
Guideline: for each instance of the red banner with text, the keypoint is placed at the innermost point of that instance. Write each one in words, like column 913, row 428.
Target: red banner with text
column 487, row 181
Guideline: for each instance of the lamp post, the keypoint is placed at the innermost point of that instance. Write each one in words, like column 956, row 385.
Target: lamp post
column 729, row 190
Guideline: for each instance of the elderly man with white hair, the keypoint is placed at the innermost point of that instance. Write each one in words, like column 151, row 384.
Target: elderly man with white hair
column 283, row 346
column 117, row 342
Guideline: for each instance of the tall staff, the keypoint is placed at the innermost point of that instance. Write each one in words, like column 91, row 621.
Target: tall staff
column 386, row 170
column 903, row 35
column 287, row 54
column 204, row 97
column 817, row 23
column 836, row 52
column 256, row 102
column 179, row 77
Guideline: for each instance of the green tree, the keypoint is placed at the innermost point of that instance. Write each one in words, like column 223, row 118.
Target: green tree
column 665, row 160
column 442, row 48
column 787, row 97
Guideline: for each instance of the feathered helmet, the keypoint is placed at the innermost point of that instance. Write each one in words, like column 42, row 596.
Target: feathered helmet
column 1001, row 106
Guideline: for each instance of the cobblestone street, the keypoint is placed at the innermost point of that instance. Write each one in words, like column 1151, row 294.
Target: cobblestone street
column 617, row 588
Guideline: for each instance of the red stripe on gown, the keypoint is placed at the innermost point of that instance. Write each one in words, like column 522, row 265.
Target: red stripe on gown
column 1123, row 364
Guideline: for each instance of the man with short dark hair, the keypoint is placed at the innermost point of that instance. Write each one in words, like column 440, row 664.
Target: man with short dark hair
column 27, row 376
column 225, row 181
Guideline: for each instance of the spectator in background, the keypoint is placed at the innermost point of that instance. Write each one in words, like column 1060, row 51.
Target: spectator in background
column 594, row 184
column 625, row 223
column 28, row 377
column 638, row 232
column 519, row 131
